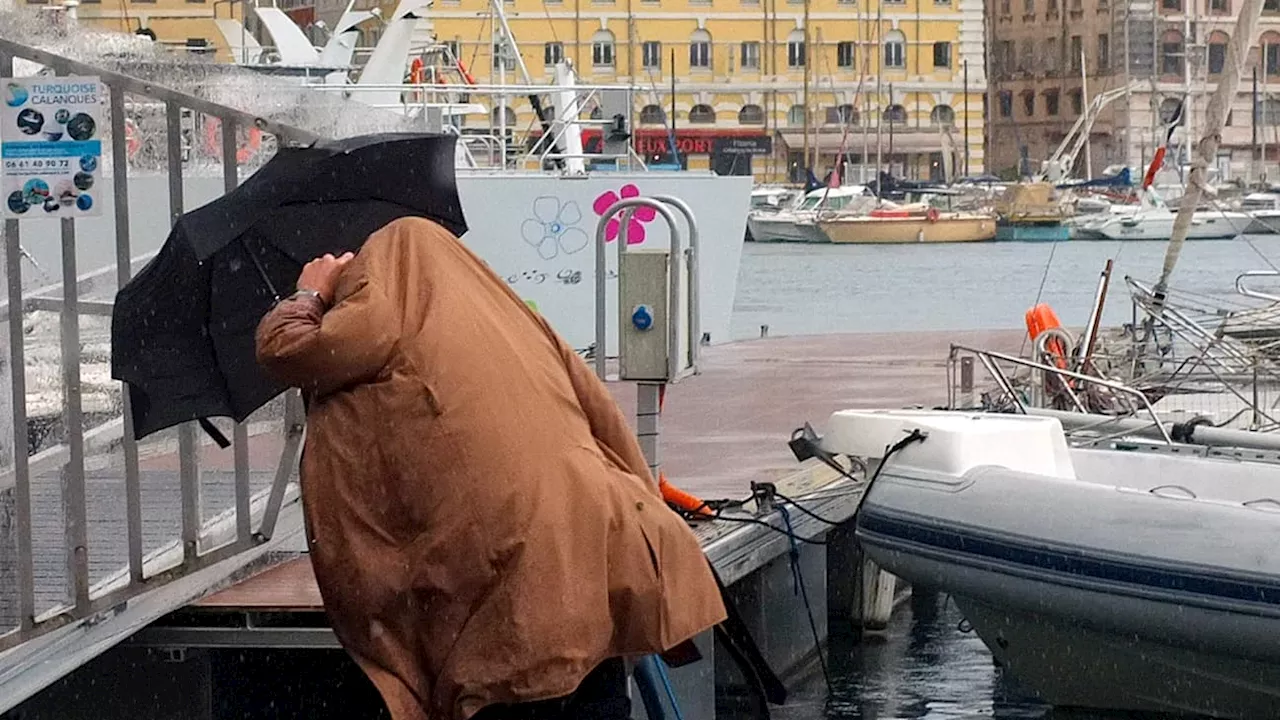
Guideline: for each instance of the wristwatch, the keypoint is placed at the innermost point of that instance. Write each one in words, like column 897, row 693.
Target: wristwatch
column 303, row 292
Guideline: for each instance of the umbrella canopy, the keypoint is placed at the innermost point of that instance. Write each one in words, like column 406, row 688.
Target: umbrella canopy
column 182, row 331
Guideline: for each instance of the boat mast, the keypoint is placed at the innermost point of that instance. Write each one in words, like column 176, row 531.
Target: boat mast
column 1215, row 118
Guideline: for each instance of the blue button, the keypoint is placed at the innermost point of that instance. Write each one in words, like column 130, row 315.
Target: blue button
column 642, row 317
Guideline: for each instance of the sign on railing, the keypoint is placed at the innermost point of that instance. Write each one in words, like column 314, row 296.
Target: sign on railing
column 51, row 144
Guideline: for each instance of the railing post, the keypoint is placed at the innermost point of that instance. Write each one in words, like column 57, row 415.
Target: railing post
column 124, row 271
column 188, row 459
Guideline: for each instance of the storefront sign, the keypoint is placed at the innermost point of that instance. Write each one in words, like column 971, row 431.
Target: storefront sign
column 751, row 145
column 51, row 146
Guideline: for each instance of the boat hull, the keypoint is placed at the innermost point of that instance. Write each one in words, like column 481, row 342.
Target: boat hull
column 1104, row 579
column 1032, row 232
column 772, row 228
column 1205, row 226
column 892, row 230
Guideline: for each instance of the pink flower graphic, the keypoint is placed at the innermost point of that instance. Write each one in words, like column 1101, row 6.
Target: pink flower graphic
column 635, row 228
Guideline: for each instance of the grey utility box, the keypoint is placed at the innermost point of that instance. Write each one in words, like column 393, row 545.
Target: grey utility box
column 644, row 326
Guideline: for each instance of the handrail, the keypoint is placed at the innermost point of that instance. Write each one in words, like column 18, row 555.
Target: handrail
column 1240, row 287
column 987, row 356
column 238, row 533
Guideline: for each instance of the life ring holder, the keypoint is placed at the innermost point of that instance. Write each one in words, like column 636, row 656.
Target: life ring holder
column 932, row 214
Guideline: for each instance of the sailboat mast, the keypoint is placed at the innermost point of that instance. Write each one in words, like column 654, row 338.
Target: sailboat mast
column 1215, row 118
column 804, row 48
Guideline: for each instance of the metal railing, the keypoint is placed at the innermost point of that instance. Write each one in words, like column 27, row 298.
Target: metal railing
column 958, row 378
column 86, row 442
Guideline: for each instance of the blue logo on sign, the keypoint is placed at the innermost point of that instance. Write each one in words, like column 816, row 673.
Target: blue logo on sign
column 16, row 95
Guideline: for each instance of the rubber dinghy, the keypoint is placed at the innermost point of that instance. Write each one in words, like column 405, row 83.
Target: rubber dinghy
column 1101, row 578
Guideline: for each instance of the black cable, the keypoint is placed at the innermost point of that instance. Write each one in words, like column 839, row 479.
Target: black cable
column 748, row 521
column 806, row 510
column 794, row 554
column 914, row 436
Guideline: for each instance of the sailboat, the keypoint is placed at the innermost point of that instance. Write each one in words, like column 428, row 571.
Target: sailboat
column 1125, row 565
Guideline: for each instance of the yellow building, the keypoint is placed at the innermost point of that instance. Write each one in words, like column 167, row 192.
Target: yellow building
column 873, row 74
column 179, row 24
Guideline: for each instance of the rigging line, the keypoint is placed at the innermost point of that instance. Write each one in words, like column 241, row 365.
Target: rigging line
column 546, row 11
column 1053, row 250
column 1248, row 241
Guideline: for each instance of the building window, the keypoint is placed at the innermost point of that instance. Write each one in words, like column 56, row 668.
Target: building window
column 1077, row 102
column 1029, row 102
column 842, row 115
column 1006, row 7
column 602, row 49
column 702, row 115
column 795, row 116
column 942, row 55
column 1171, row 53
column 1104, row 51
column 1029, row 7
column 895, row 50
column 700, row 50
column 1052, row 55
column 1271, row 6
column 795, row 49
column 1077, row 52
column 750, row 55
column 1269, row 111
column 1220, row 6
column 1171, row 5
column 503, row 56
column 751, row 115
column 651, row 55
column 895, row 115
column 1170, row 110
column 1217, row 55
column 845, row 54
column 552, row 53
column 653, row 115
column 943, row 115
column 1271, row 51
column 1006, row 103
column 1051, row 103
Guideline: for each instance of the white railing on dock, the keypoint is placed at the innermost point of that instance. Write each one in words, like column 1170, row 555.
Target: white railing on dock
column 92, row 520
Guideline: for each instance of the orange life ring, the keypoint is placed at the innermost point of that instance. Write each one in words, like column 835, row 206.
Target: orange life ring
column 1041, row 318
column 417, row 72
column 132, row 143
column 250, row 141
column 932, row 214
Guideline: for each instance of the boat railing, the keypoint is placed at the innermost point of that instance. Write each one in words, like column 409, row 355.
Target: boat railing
column 960, row 383
column 533, row 147
column 101, row 534
column 1247, row 292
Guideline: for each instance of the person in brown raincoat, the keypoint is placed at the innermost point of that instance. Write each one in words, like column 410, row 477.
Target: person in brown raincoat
column 483, row 526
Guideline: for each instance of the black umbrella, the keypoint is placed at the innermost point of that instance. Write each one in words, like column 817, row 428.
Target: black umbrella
column 182, row 331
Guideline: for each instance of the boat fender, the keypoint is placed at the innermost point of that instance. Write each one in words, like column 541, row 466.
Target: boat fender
column 932, row 214
column 1185, row 432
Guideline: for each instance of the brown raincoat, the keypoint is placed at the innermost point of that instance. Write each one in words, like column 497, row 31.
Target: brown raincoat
column 481, row 520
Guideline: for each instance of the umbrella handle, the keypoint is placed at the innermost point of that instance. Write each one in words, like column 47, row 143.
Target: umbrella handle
column 275, row 294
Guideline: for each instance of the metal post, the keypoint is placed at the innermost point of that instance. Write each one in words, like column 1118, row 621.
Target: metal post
column 240, row 435
column 966, row 380
column 124, row 269
column 966, row 118
column 73, row 493
column 18, row 390
column 647, row 424
column 188, row 463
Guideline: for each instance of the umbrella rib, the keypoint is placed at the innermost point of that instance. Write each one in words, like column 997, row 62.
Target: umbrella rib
column 275, row 294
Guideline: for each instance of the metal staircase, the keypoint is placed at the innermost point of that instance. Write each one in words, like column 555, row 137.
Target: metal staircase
column 101, row 534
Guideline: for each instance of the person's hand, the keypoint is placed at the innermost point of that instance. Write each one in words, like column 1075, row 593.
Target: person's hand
column 321, row 275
